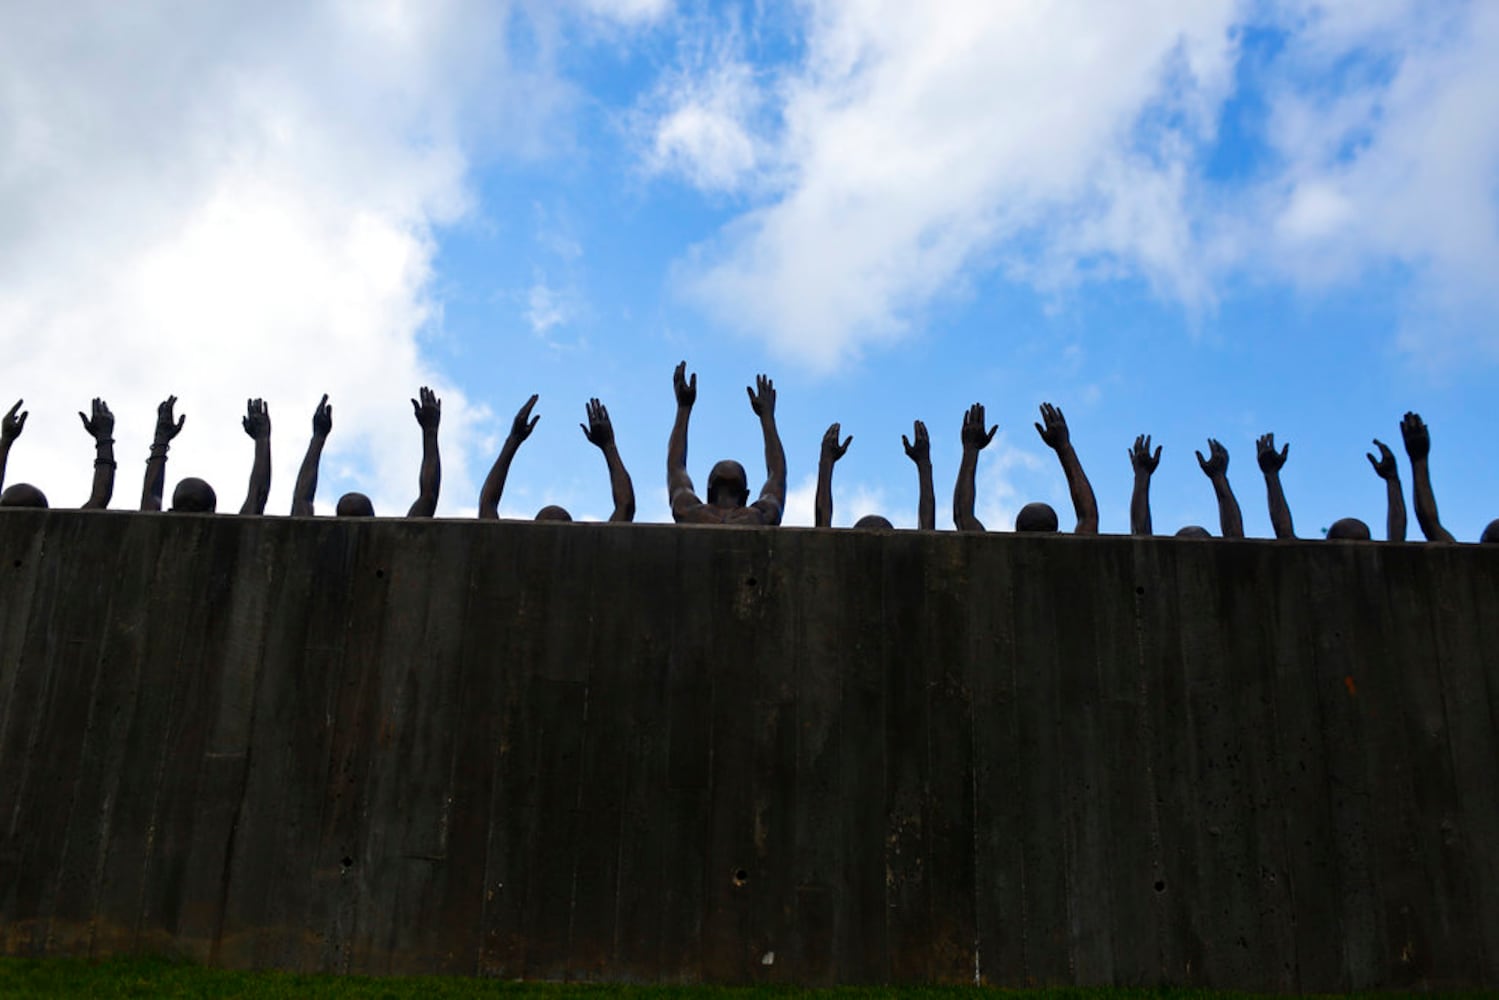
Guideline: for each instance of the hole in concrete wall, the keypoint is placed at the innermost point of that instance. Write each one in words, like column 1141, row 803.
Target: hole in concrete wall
column 1160, row 886
column 741, row 877
column 18, row 564
column 379, row 574
column 1139, row 591
column 750, row 581
column 347, row 862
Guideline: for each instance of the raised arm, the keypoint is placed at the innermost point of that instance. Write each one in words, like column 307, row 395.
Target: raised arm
column 975, row 440
column 1215, row 466
column 831, row 452
column 679, row 491
column 1387, row 469
column 1144, row 463
column 600, row 432
column 772, row 502
column 1053, row 431
column 257, row 424
column 494, row 483
column 1418, row 447
column 428, row 416
column 11, row 426
column 921, row 453
column 306, row 488
column 1270, row 462
column 156, row 464
column 101, row 427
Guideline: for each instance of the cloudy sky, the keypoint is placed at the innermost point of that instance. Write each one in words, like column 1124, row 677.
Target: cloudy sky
column 1187, row 218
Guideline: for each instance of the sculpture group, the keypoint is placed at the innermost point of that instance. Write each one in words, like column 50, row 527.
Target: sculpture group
column 727, row 493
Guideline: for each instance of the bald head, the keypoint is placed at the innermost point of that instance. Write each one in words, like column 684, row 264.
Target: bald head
column 551, row 512
column 194, row 496
column 1349, row 529
column 23, row 495
column 354, row 505
column 728, row 484
column 1036, row 517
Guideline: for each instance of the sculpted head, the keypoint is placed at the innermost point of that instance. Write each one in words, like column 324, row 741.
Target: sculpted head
column 551, row 512
column 1490, row 534
column 1349, row 529
column 194, row 496
column 23, row 495
column 1194, row 531
column 1037, row 517
column 354, row 505
column 728, row 485
column 873, row 522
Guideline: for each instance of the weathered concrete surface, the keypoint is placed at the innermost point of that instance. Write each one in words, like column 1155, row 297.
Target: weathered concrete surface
column 614, row 751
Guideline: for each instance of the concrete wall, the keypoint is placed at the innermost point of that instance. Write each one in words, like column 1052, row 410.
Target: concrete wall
column 615, row 751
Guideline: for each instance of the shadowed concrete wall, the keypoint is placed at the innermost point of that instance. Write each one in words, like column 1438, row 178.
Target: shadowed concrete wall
column 615, row 751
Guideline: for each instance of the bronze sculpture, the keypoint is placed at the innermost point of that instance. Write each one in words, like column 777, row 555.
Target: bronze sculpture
column 1215, row 467
column 920, row 452
column 1386, row 468
column 830, row 453
column 257, row 424
column 306, row 487
column 494, row 483
column 1144, row 464
column 1059, row 439
column 1418, row 447
column 975, row 439
column 728, row 485
column 1271, row 462
column 100, row 427
column 156, row 463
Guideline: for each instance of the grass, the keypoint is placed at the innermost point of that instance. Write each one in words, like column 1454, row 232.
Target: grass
column 159, row 977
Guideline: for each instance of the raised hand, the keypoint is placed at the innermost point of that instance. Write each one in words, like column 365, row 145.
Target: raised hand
column 12, row 425
column 1384, row 466
column 921, row 451
column 257, row 419
column 831, row 449
column 102, row 425
column 429, row 410
column 1270, row 460
column 1140, row 458
column 1217, row 462
column 322, row 418
column 166, row 427
column 523, row 424
column 685, row 388
column 599, row 431
column 1054, row 433
column 762, row 398
column 1417, row 437
column 974, row 435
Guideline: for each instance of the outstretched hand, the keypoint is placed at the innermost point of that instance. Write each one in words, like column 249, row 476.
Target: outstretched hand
column 102, row 425
column 166, row 427
column 322, row 418
column 831, row 449
column 685, row 388
column 12, row 425
column 599, row 431
column 974, row 435
column 1140, row 458
column 1270, row 460
column 1384, row 466
column 257, row 419
column 1216, row 464
column 763, row 397
column 921, row 451
column 1054, row 433
column 429, row 410
column 523, row 424
column 1417, row 437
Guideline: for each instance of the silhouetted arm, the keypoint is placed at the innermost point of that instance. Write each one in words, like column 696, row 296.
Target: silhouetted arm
column 1230, row 520
column 1144, row 463
column 831, row 452
column 306, row 488
column 921, row 453
column 679, row 491
column 257, row 424
column 1386, row 468
column 600, row 432
column 494, row 483
column 428, row 415
column 1270, row 463
column 101, row 428
column 1055, row 434
column 1418, row 447
column 975, row 440
column 156, row 464
column 772, row 502
column 11, row 426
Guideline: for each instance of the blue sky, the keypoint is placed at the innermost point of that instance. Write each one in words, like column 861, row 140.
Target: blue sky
column 1187, row 219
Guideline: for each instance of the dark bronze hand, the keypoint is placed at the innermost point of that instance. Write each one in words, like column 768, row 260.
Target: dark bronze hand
column 685, row 388
column 429, row 411
column 102, row 425
column 831, row 449
column 762, row 398
column 1384, row 466
column 257, row 419
column 1140, row 458
column 599, row 431
column 1270, row 460
column 12, row 424
column 974, row 437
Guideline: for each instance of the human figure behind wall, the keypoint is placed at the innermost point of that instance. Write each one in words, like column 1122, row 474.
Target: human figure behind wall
column 306, row 487
column 1144, row 465
column 494, row 483
column 1386, row 468
column 1053, row 431
column 920, row 452
column 829, row 454
column 257, row 424
column 156, row 463
column 600, row 433
column 1270, row 462
column 1418, row 447
column 100, row 426
column 1215, row 467
column 975, row 439
column 728, row 485
column 428, row 414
